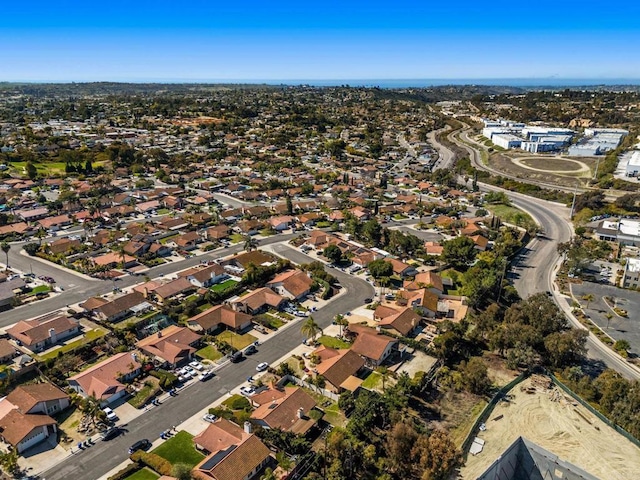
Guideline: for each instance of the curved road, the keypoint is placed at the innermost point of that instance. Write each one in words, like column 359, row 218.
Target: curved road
column 105, row 456
column 534, row 268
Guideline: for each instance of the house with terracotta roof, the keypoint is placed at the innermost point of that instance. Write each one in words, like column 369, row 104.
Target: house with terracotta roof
column 106, row 380
column 217, row 233
column 7, row 351
column 187, row 241
column 233, row 453
column 217, row 317
column 281, row 223
column 292, row 284
column 242, row 260
column 258, row 301
column 481, row 242
column 373, row 347
column 205, row 275
column 429, row 280
column 171, row 346
column 119, row 308
column 401, row 268
column 43, row 333
column 63, row 245
column 24, row 414
column 284, row 408
column 338, row 367
column 401, row 322
column 423, row 301
column 173, row 289
column 113, row 260
column 433, row 248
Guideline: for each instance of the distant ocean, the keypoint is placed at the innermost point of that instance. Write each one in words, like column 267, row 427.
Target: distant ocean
column 437, row 82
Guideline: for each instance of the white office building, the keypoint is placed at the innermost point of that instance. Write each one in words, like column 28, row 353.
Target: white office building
column 633, row 166
column 506, row 140
column 631, row 277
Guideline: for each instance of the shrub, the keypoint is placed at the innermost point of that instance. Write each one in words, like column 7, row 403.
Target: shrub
column 126, row 471
column 153, row 461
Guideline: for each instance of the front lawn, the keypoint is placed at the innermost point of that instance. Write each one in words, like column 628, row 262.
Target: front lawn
column 40, row 289
column 268, row 321
column 224, row 286
column 150, row 389
column 238, row 342
column 372, row 381
column 144, row 474
column 333, row 342
column 209, row 353
column 180, row 449
column 236, row 238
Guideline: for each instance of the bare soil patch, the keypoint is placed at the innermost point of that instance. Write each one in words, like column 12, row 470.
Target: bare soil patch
column 553, row 420
column 504, row 164
column 552, row 164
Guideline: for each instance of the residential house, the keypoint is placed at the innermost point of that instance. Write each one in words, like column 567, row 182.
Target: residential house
column 258, row 301
column 56, row 222
column 118, row 308
column 217, row 233
column 113, row 260
column 249, row 227
column 338, row 367
column 233, row 453
column 215, row 317
column 284, row 408
column 24, row 414
column 481, row 242
column 423, row 301
column 106, row 380
column 433, row 248
column 160, row 250
column 281, row 223
column 171, row 346
column 205, row 275
column 7, row 351
column 372, row 346
column 137, row 249
column 187, row 241
column 63, row 245
column 173, row 289
column 401, row 322
column 40, row 334
column 292, row 284
column 9, row 290
column 402, row 269
column 429, row 280
column 242, row 260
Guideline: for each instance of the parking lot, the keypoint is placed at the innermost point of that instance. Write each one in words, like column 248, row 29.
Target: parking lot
column 618, row 328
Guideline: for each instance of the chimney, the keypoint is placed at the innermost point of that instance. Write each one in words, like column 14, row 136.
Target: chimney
column 378, row 328
column 300, row 412
column 248, row 428
column 52, row 335
column 134, row 355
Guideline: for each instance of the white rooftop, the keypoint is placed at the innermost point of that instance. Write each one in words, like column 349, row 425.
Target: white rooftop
column 633, row 265
column 635, row 159
column 629, row 227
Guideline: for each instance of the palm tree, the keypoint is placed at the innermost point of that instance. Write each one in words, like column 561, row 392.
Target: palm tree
column 310, row 329
column 250, row 243
column 40, row 234
column 90, row 406
column 608, row 316
column 341, row 321
column 5, row 247
column 588, row 298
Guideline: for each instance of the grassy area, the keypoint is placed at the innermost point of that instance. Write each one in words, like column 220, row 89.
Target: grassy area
column 267, row 232
column 204, row 307
column 511, row 215
column 372, row 381
column 456, row 276
column 236, row 402
column 332, row 342
column 40, row 289
column 236, row 341
column 462, row 430
column 149, row 390
column 236, row 238
column 323, row 224
column 86, row 338
column 163, row 211
column 44, row 168
column 180, row 449
column 144, row 474
column 269, row 321
column 209, row 353
column 221, row 287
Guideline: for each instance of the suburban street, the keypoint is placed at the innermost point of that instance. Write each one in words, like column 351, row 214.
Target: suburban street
column 104, row 456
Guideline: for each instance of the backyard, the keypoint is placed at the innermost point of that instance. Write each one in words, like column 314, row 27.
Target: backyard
column 144, row 474
column 86, row 338
column 224, row 286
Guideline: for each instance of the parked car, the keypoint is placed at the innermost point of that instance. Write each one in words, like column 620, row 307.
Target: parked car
column 204, row 376
column 368, row 300
column 236, row 357
column 143, row 444
column 110, row 433
column 196, row 365
column 262, row 366
column 250, row 350
column 247, row 391
column 210, row 417
column 111, row 415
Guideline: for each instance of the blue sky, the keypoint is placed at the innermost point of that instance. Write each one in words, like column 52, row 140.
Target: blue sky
column 70, row 40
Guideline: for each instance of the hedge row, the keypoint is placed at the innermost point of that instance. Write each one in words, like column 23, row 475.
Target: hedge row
column 126, row 471
column 153, row 461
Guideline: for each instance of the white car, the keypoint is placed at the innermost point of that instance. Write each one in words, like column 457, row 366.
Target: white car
column 247, row 391
column 262, row 366
column 197, row 365
column 210, row 417
column 204, row 376
column 111, row 415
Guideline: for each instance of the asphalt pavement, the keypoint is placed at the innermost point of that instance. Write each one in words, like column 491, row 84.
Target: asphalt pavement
column 104, row 456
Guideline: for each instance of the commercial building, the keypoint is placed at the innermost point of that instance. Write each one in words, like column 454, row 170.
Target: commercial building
column 631, row 277
column 625, row 231
column 633, row 166
column 506, row 140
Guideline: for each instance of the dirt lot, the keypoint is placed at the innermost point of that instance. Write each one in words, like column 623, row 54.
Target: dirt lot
column 505, row 164
column 557, row 423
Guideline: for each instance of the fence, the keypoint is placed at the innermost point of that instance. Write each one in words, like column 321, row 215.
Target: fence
column 297, row 381
column 595, row 412
column 484, row 415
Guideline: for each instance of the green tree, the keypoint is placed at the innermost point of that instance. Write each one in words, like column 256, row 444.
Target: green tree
column 5, row 247
column 565, row 347
column 310, row 329
column 32, row 171
column 333, row 253
column 341, row 321
column 9, row 462
column 380, row 268
column 249, row 243
column 474, row 375
column 182, row 471
column 459, row 252
column 589, row 297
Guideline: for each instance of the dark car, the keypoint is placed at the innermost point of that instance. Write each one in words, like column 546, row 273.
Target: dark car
column 250, row 350
column 368, row 300
column 236, row 357
column 143, row 444
column 110, row 433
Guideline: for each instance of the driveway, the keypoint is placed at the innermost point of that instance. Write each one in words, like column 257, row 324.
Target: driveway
column 619, row 328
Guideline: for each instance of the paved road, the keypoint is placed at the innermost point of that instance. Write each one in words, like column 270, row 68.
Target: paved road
column 445, row 155
column 104, row 456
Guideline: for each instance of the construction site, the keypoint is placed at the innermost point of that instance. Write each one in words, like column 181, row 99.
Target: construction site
column 544, row 414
